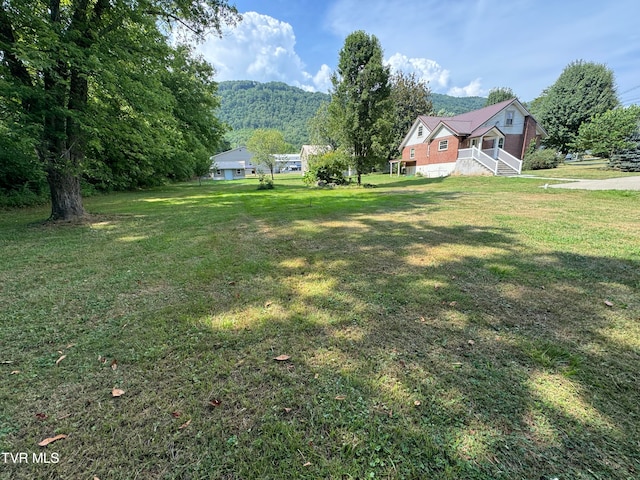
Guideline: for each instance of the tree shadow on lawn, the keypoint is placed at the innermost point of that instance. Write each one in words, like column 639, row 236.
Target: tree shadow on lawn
column 417, row 351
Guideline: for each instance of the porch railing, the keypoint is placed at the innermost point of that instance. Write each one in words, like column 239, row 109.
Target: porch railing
column 507, row 158
column 480, row 157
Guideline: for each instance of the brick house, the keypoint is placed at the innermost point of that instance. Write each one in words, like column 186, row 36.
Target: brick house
column 488, row 141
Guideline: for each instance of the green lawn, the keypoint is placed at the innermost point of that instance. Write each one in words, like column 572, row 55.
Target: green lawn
column 595, row 169
column 462, row 328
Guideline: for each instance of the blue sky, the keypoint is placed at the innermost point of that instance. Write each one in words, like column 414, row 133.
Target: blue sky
column 461, row 47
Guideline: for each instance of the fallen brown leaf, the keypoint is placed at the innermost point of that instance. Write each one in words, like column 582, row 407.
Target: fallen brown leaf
column 308, row 464
column 41, row 416
column 282, row 358
column 471, row 342
column 215, row 402
column 49, row 440
column 185, row 424
column 15, row 372
column 114, row 364
column 340, row 397
column 60, row 359
column 417, row 403
column 287, row 410
column 608, row 303
column 176, row 414
column 116, row 392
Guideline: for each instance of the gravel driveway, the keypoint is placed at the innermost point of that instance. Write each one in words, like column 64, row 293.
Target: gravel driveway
column 622, row 183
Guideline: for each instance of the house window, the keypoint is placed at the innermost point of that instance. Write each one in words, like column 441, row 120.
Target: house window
column 510, row 115
column 474, row 142
column 218, row 172
column 238, row 171
column 443, row 145
column 420, row 131
column 501, row 143
column 412, row 153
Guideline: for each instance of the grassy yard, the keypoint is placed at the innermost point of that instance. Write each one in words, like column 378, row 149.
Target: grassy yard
column 461, row 328
column 595, row 169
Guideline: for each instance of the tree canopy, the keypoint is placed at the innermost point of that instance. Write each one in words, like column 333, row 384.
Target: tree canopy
column 100, row 92
column 499, row 94
column 360, row 99
column 609, row 132
column 584, row 89
column 265, row 146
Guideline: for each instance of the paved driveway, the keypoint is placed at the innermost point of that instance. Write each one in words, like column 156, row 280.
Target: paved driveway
column 622, row 183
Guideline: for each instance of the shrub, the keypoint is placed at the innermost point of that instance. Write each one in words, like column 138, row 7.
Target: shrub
column 541, row 159
column 327, row 168
column 264, row 182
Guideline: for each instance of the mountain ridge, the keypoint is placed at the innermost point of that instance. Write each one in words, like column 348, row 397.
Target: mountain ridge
column 246, row 105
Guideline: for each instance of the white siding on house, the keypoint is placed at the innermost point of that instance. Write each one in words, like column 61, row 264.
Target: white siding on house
column 414, row 138
column 500, row 121
column 443, row 132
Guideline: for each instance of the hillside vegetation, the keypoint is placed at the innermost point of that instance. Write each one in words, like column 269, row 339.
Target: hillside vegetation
column 247, row 105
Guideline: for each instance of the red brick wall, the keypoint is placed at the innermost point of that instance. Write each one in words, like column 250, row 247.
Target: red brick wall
column 427, row 155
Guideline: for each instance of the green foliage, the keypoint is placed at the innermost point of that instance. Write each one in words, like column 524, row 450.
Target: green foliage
column 265, row 146
column 628, row 159
column 247, row 105
column 102, row 92
column 609, row 132
column 582, row 91
column 499, row 94
column 360, row 99
column 410, row 97
column 328, row 168
column 448, row 106
column 264, row 182
column 541, row 159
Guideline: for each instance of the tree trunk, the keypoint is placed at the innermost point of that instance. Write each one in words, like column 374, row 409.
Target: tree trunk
column 66, row 200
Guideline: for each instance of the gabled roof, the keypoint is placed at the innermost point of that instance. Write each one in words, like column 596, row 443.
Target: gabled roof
column 469, row 124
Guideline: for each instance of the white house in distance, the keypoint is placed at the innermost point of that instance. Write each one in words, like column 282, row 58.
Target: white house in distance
column 237, row 164
column 232, row 164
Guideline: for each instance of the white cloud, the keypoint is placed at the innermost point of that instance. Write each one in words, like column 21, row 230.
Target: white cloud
column 427, row 70
column 474, row 89
column 261, row 48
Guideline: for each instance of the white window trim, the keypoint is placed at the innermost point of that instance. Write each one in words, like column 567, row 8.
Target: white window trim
column 412, row 153
column 420, row 131
column 509, row 121
column 443, row 145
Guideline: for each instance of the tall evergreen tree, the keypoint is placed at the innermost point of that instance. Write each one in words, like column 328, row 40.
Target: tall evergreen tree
column 54, row 53
column 360, row 99
column 584, row 89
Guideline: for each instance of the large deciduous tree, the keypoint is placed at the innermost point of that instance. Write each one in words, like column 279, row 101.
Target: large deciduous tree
column 499, row 94
column 266, row 144
column 410, row 97
column 584, row 89
column 55, row 54
column 360, row 98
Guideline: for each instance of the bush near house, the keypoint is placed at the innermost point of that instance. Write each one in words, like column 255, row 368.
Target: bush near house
column 541, row 159
column 327, row 168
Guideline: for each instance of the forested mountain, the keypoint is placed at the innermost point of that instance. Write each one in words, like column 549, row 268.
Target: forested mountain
column 247, row 105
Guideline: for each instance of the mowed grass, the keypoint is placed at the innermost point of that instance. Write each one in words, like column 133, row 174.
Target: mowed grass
column 476, row 328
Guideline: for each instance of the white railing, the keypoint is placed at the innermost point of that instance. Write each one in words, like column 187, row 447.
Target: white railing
column 480, row 157
column 510, row 160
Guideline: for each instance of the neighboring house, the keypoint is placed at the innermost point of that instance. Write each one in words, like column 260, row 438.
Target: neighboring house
column 310, row 151
column 288, row 162
column 492, row 140
column 237, row 163
column 232, row 164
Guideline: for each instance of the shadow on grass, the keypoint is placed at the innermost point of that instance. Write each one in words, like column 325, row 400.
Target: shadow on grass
column 418, row 350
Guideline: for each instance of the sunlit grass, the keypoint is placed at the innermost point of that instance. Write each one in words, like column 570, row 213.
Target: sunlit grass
column 435, row 328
